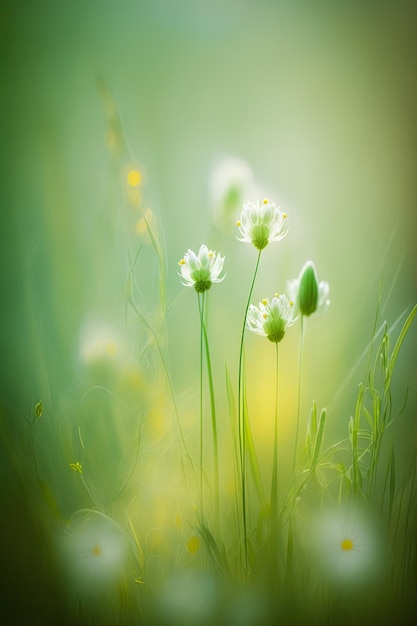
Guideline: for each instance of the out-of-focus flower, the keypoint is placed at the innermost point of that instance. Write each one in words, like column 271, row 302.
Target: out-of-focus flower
column 230, row 183
column 261, row 222
column 202, row 269
column 347, row 546
column 99, row 342
column 309, row 295
column 272, row 318
column 92, row 553
column 190, row 599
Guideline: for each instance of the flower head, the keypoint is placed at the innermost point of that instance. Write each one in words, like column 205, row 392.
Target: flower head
column 347, row 546
column 202, row 269
column 262, row 222
column 92, row 553
column 309, row 295
column 272, row 318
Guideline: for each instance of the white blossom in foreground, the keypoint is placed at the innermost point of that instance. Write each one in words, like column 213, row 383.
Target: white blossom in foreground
column 347, row 547
column 92, row 553
column 202, row 269
column 272, row 318
column 309, row 295
column 261, row 222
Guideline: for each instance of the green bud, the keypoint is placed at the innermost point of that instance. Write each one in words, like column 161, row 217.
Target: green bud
column 308, row 294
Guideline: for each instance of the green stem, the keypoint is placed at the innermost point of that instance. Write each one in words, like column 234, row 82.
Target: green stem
column 213, row 411
column 300, row 362
column 274, row 482
column 241, row 421
column 200, row 308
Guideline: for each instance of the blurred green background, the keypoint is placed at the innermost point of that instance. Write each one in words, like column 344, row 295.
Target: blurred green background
column 319, row 99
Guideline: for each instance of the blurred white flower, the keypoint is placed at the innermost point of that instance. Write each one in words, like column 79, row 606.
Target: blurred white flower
column 202, row 269
column 309, row 295
column 272, row 318
column 231, row 181
column 347, row 546
column 92, row 553
column 261, row 222
column 98, row 342
column 190, row 599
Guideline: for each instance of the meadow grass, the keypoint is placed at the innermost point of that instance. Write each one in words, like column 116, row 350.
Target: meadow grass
column 162, row 532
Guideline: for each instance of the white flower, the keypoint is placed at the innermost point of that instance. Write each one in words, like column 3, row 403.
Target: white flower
column 347, row 546
column 202, row 269
column 271, row 319
column 92, row 553
column 189, row 598
column 261, row 223
column 309, row 295
column 231, row 181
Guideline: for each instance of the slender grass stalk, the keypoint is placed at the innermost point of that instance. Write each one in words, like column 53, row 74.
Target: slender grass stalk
column 149, row 327
column 212, row 409
column 300, row 364
column 200, row 308
column 274, row 481
column 241, row 421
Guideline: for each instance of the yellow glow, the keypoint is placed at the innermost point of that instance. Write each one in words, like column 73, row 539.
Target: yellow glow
column 111, row 348
column 193, row 544
column 347, row 545
column 96, row 550
column 284, row 215
column 238, row 223
column 182, row 262
column 134, row 178
column 265, row 301
column 266, row 201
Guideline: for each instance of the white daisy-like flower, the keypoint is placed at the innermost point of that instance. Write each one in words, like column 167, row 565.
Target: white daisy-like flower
column 347, row 546
column 272, row 318
column 92, row 553
column 261, row 222
column 309, row 295
column 202, row 269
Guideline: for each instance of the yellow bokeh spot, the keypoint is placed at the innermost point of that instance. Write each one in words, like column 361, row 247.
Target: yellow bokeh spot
column 134, row 178
column 111, row 348
column 96, row 550
column 347, row 545
column 284, row 215
column 266, row 201
column 265, row 301
column 193, row 544
column 238, row 223
column 182, row 262
column 265, row 316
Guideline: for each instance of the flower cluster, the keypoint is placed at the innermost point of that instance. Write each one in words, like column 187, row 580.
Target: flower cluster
column 261, row 223
column 202, row 269
column 272, row 318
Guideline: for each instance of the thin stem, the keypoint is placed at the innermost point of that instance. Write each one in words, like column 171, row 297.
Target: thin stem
column 147, row 325
column 200, row 298
column 274, row 482
column 241, row 421
column 213, row 411
column 300, row 363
